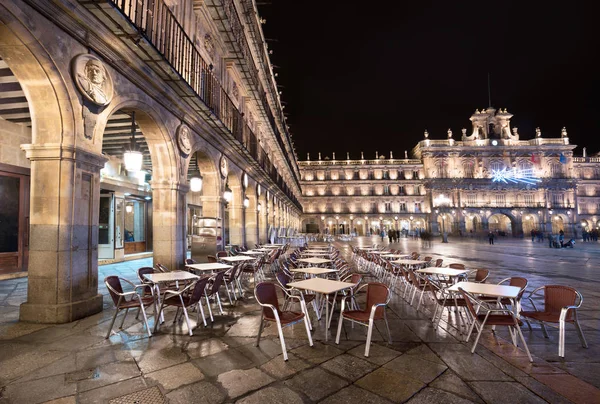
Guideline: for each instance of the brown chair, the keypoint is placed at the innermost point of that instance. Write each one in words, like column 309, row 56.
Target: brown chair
column 127, row 300
column 486, row 315
column 211, row 258
column 444, row 298
column 514, row 281
column 378, row 296
column 182, row 299
column 456, row 266
column 161, row 268
column 479, row 275
column 230, row 279
column 189, row 261
column 438, row 262
column 212, row 291
column 221, row 254
column 266, row 295
column 560, row 306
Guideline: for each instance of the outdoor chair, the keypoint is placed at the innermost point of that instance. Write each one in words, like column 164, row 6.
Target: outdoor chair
column 478, row 275
column 484, row 315
column 127, row 300
column 266, row 295
column 230, row 278
column 560, row 306
column 189, row 261
column 221, row 254
column 283, row 279
column 212, row 291
column 514, row 281
column 378, row 296
column 182, row 299
column 211, row 259
column 438, row 262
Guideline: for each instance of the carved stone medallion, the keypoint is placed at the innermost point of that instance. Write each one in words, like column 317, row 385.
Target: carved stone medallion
column 224, row 167
column 184, row 139
column 92, row 79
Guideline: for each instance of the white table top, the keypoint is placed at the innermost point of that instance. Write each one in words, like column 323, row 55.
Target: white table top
column 237, row 258
column 321, row 285
column 379, row 252
column 170, row 276
column 265, row 250
column 409, row 262
column 314, row 260
column 320, row 251
column 395, row 255
column 316, row 254
column 368, row 248
column 252, row 252
column 211, row 266
column 487, row 289
column 442, row 271
column 314, row 270
column 272, row 246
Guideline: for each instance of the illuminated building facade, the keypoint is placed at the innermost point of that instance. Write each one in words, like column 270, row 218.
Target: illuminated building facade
column 490, row 179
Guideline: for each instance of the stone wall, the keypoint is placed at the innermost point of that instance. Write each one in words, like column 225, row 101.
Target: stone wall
column 12, row 136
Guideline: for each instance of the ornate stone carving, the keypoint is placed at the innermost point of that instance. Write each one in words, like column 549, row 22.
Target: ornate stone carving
column 235, row 91
column 209, row 45
column 184, row 139
column 92, row 79
column 224, row 167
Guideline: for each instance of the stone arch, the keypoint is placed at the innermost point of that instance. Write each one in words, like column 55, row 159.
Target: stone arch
column 531, row 221
column 502, row 223
column 473, row 222
column 560, row 222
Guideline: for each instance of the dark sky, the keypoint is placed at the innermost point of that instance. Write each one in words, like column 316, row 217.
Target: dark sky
column 374, row 75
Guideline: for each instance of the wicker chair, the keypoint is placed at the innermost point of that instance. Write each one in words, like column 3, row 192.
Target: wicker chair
column 189, row 296
column 127, row 300
column 560, row 306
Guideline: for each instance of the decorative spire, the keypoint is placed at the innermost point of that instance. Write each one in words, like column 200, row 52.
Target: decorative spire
column 333, row 155
column 538, row 132
column 449, row 133
column 347, row 155
column 426, row 134
column 376, row 155
column 362, row 157
column 406, row 154
column 391, row 155
column 563, row 132
column 319, row 155
column 308, row 156
column 584, row 152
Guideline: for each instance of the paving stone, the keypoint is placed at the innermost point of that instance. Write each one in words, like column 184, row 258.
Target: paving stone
column 589, row 372
column 197, row 393
column 416, row 368
column 108, row 374
column 318, row 353
column 450, row 382
column 280, row 369
column 473, row 367
column 61, row 366
column 425, row 353
column 63, row 400
column 505, row 392
column 390, row 385
column 103, row 394
column 267, row 350
column 349, row 367
column 378, row 354
column 202, row 348
column 222, row 362
column 176, row 376
column 26, row 360
column 316, row 383
column 430, row 395
column 37, row 391
column 239, row 382
column 542, row 390
column 570, row 387
column 272, row 395
column 353, row 394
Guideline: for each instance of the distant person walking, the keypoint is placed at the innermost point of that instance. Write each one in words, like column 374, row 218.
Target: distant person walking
column 491, row 237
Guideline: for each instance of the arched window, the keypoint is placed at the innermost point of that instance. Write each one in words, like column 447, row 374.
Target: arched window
column 468, row 169
column 496, row 165
column 556, row 170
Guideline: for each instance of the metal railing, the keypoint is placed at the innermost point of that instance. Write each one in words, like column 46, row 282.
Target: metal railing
column 155, row 22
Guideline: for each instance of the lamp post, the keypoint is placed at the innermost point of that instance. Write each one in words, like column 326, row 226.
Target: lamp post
column 442, row 203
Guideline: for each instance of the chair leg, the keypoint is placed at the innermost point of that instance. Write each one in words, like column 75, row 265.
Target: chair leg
column 561, row 339
column 478, row 336
column 112, row 323
column 387, row 326
column 518, row 330
column 283, row 348
column 200, row 310
column 209, row 310
column 219, row 303
column 306, row 321
column 145, row 319
column 339, row 330
column 544, row 331
column 260, row 328
column 123, row 319
column 579, row 330
column 228, row 294
column 156, row 323
column 369, row 335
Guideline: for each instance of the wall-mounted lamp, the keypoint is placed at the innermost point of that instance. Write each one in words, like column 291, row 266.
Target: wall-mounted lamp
column 196, row 182
column 246, row 202
column 227, row 194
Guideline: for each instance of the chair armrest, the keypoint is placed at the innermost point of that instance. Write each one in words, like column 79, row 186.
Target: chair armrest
column 565, row 310
column 374, row 309
column 179, row 292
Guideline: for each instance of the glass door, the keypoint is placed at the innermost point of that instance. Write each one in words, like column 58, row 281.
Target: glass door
column 106, row 244
column 14, row 222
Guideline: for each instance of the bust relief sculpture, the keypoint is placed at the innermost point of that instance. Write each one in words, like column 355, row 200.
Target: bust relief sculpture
column 92, row 79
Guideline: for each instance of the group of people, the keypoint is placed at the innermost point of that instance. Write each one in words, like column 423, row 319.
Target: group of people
column 393, row 235
column 590, row 235
column 537, row 235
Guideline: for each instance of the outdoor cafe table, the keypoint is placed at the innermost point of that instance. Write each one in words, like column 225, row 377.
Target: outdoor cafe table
column 315, row 254
column 252, row 252
column 399, row 256
column 486, row 289
column 322, row 287
column 449, row 272
column 378, row 252
column 237, row 258
column 314, row 260
column 314, row 270
column 409, row 262
column 209, row 267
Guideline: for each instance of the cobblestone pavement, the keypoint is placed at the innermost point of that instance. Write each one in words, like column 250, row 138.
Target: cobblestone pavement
column 73, row 363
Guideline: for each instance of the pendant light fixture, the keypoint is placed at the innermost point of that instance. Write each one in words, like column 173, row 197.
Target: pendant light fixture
column 132, row 155
column 196, row 179
column 227, row 194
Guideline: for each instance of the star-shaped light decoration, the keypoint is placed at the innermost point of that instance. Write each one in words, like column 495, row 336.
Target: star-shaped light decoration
column 515, row 176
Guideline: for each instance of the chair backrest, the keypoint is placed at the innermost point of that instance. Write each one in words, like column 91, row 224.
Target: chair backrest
column 438, row 262
column 414, row 256
column 144, row 271
column 198, row 290
column 221, row 254
column 211, row 258
column 283, row 279
column 377, row 293
column 217, row 281
column 115, row 283
column 457, row 266
column 189, row 261
column 481, row 275
column 266, row 293
column 557, row 296
column 161, row 267
column 520, row 283
column 469, row 299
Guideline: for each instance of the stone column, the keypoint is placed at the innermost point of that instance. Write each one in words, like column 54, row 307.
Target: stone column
column 168, row 222
column 252, row 230
column 63, row 246
column 236, row 223
column 262, row 221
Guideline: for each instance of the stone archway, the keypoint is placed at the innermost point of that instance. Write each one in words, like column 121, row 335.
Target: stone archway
column 501, row 224
column 65, row 175
column 530, row 222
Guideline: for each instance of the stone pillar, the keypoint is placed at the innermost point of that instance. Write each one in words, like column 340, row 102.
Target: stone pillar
column 168, row 222
column 252, row 229
column 236, row 224
column 63, row 246
column 262, row 221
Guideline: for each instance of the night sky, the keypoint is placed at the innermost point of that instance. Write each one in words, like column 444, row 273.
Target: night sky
column 372, row 76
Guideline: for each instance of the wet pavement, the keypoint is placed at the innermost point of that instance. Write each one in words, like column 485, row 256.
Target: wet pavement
column 74, row 363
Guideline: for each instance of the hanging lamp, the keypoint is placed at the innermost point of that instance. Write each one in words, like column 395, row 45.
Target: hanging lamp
column 132, row 155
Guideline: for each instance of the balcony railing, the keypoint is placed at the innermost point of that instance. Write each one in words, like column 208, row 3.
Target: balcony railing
column 155, row 22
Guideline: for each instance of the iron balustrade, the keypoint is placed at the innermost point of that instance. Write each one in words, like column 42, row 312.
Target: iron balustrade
column 155, row 22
